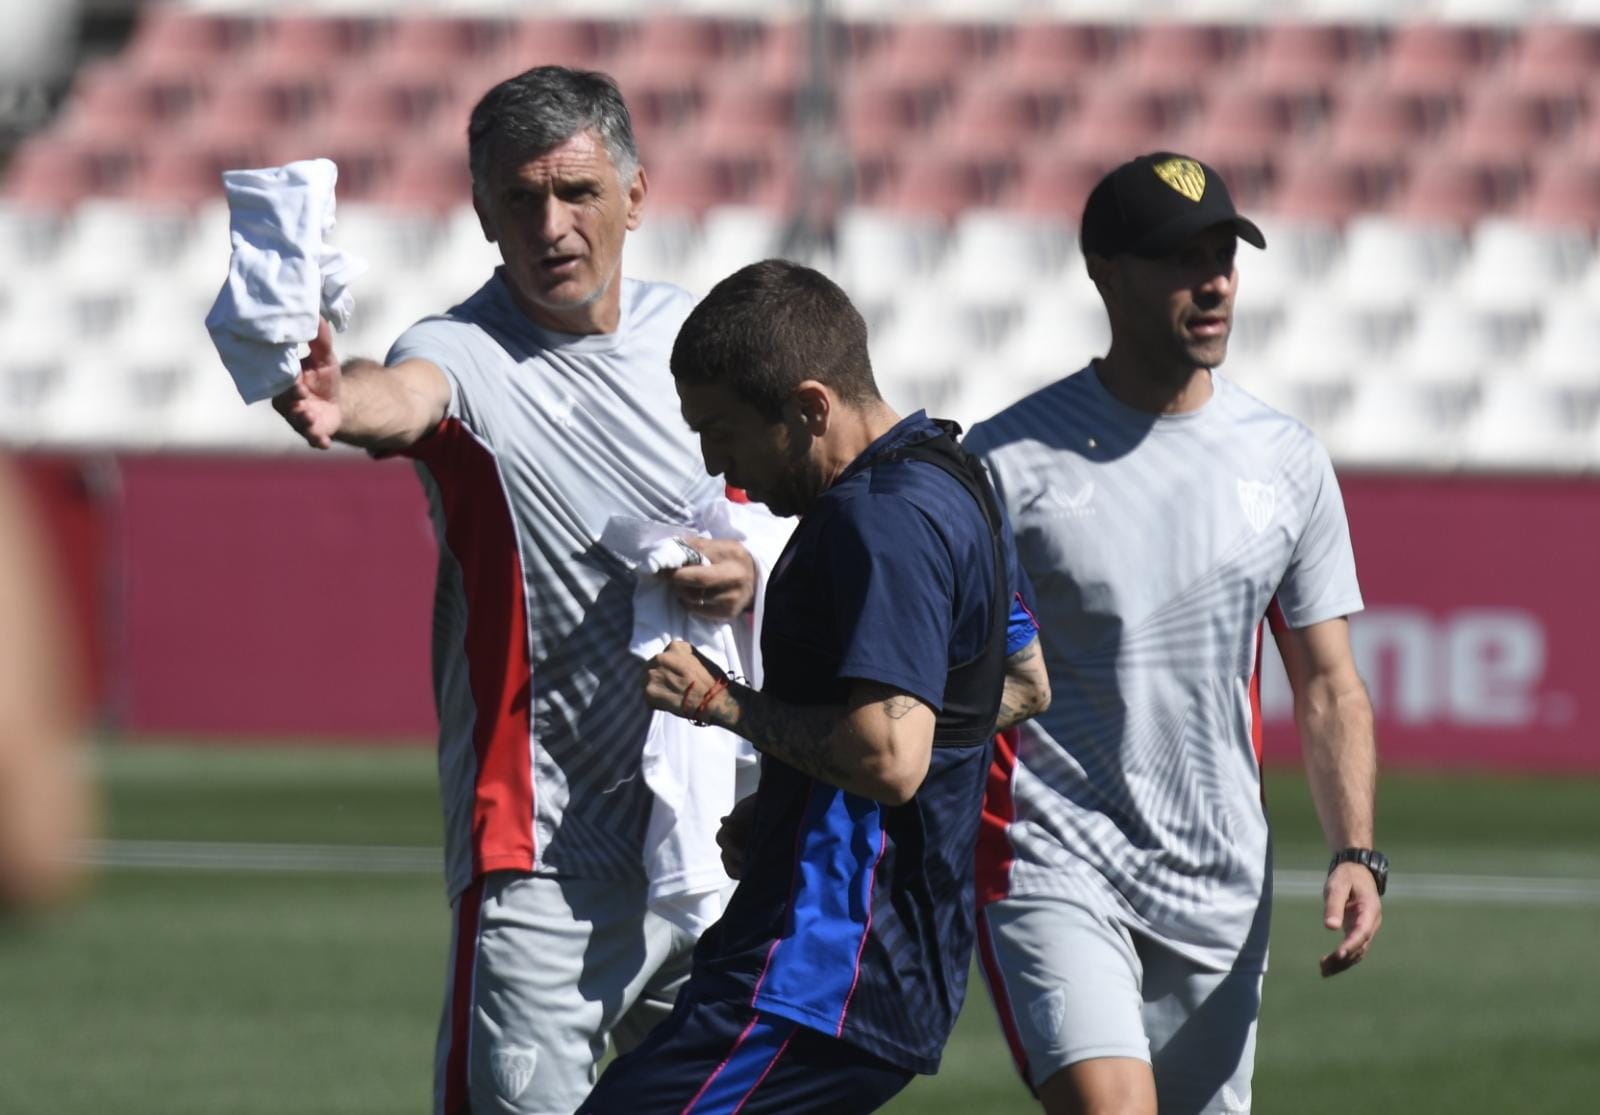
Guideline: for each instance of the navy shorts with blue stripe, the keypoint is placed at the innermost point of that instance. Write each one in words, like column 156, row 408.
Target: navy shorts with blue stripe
column 714, row 1057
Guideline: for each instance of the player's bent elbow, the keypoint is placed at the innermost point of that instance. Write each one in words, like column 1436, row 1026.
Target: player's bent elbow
column 1039, row 696
column 895, row 779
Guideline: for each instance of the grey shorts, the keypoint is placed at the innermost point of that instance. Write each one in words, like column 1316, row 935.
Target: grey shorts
column 542, row 971
column 1071, row 983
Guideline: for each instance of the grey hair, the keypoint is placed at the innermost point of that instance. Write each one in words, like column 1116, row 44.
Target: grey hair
column 525, row 116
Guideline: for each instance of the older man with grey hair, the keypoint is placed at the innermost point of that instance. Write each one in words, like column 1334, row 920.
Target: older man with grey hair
column 537, row 410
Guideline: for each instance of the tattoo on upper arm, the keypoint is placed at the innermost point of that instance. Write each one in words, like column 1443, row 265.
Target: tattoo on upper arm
column 899, row 706
column 1026, row 654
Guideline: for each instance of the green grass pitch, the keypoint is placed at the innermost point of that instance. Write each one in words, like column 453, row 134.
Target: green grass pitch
column 178, row 991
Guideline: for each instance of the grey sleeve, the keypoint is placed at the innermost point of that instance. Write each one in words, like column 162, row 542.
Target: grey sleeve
column 1320, row 582
column 446, row 345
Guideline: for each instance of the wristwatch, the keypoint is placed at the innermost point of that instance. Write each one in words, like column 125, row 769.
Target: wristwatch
column 1374, row 861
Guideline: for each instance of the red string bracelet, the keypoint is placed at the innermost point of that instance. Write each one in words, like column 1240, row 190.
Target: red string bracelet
column 721, row 684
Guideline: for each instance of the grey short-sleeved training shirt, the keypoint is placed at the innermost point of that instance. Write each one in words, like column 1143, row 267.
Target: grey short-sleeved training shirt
column 1157, row 546
column 541, row 710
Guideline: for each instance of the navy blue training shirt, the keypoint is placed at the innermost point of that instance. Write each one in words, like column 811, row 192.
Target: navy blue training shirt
column 852, row 917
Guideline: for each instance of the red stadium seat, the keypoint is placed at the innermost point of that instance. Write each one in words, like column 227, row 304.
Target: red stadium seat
column 434, row 178
column 388, row 102
column 56, row 173
column 1500, row 121
column 674, row 42
column 189, row 171
column 1316, row 186
column 928, row 51
column 879, row 113
column 1059, row 54
column 1556, row 58
column 302, row 45
column 584, row 43
column 689, row 182
column 251, row 104
column 996, row 119
column 1308, row 58
column 737, row 111
column 1055, row 184
column 782, row 56
column 170, row 39
column 1240, row 121
column 1564, row 191
column 1115, row 122
column 1458, row 191
column 931, row 182
column 1437, row 59
column 427, row 43
column 1368, row 123
column 1174, row 56
column 112, row 100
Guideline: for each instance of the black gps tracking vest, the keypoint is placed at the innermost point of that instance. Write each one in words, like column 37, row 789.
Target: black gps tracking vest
column 972, row 690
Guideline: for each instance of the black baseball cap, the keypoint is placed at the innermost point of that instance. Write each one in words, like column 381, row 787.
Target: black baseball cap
column 1150, row 205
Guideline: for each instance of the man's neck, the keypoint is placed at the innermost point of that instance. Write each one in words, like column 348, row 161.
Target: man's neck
column 850, row 436
column 1172, row 390
column 601, row 314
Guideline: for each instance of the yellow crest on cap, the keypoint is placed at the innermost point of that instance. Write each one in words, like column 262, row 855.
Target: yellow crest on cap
column 1184, row 175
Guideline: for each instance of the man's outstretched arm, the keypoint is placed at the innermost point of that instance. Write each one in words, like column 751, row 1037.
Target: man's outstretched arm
column 363, row 403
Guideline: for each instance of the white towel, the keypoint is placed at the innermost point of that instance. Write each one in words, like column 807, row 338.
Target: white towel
column 696, row 773
column 282, row 276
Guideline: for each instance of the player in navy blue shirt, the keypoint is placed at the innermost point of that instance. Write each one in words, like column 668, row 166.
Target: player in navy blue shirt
column 895, row 641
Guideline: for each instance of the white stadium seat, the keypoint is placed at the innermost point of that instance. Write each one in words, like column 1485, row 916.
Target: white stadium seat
column 995, row 258
column 1527, row 425
column 1386, row 261
column 1452, row 343
column 926, row 337
column 1518, row 266
column 731, row 236
column 1396, row 423
column 1566, row 349
column 1324, row 340
column 879, row 253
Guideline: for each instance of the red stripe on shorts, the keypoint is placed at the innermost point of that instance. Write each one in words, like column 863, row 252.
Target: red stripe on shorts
column 462, row 967
column 995, row 978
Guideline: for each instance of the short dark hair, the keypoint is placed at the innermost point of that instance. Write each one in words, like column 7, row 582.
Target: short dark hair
column 525, row 116
column 767, row 327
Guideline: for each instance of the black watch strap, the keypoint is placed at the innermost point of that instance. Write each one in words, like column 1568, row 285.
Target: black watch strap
column 1374, row 861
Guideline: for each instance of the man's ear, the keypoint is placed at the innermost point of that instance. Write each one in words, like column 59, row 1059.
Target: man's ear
column 636, row 196
column 813, row 403
column 1100, row 270
column 483, row 217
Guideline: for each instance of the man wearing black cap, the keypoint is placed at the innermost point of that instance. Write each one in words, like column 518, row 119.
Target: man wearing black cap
column 1166, row 518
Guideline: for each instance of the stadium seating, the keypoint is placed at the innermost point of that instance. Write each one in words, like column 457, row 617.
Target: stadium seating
column 1426, row 172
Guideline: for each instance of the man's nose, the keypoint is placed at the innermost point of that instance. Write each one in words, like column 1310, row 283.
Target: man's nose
column 1216, row 288
column 716, row 462
column 557, row 219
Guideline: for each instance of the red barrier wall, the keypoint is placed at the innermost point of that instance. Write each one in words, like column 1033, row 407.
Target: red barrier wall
column 289, row 597
column 1482, row 607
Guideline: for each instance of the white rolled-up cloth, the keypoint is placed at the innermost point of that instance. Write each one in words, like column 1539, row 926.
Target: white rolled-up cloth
column 282, row 276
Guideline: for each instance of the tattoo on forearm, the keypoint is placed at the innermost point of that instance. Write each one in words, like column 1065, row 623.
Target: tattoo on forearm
column 1022, row 696
column 801, row 736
